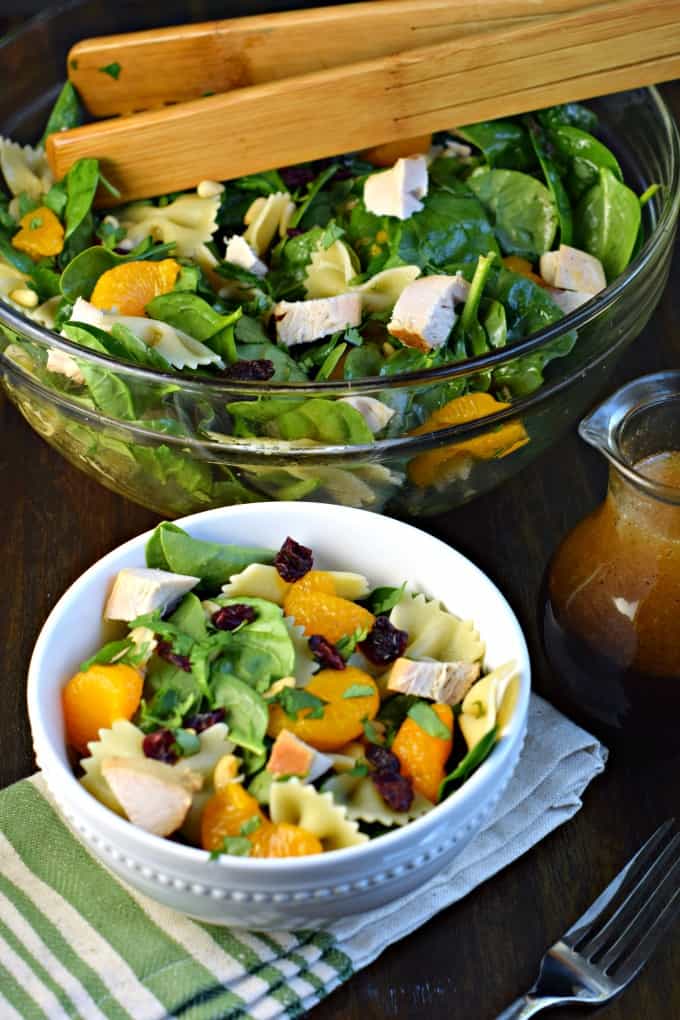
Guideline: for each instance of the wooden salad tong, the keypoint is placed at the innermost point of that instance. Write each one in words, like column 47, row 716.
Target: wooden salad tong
column 308, row 84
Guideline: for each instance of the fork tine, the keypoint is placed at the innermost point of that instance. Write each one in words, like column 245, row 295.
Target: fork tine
column 663, row 896
column 583, row 926
column 641, row 954
column 633, row 904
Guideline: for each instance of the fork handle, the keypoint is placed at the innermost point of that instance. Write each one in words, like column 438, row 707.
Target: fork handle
column 527, row 1005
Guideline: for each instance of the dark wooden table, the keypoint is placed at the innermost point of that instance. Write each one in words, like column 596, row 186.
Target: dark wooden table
column 475, row 957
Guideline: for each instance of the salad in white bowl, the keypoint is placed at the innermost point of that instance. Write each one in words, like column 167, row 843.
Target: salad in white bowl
column 256, row 703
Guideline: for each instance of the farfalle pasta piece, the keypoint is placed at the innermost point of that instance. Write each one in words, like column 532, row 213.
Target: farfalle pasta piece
column 25, row 169
column 434, row 633
column 266, row 216
column 315, row 812
column 262, row 581
column 490, row 702
column 11, row 279
column 190, row 222
column 179, row 349
column 305, row 663
column 380, row 292
column 215, row 744
column 359, row 796
column 330, row 270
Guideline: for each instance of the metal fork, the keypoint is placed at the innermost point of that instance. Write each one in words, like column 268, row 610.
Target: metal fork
column 609, row 945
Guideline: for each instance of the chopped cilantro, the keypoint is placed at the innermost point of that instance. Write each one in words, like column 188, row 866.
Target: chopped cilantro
column 360, row 769
column 113, row 70
column 251, row 825
column 187, row 742
column 359, row 691
column 294, row 700
column 331, row 234
column 237, row 846
column 36, row 223
column 348, row 643
column 370, row 732
column 426, row 717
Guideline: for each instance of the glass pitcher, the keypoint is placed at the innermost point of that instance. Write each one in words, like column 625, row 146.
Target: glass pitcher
column 611, row 606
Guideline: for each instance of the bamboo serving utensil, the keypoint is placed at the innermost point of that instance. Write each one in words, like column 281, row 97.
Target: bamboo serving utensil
column 604, row 47
column 171, row 65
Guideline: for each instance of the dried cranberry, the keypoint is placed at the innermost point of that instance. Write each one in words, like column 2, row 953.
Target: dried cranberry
column 164, row 651
column 293, row 560
column 396, row 790
column 161, row 746
column 297, row 176
column 257, row 370
column 385, row 643
column 204, row 720
column 382, row 759
column 293, row 232
column 231, row 617
column 325, row 653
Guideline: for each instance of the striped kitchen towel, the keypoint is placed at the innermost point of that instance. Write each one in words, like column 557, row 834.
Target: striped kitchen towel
column 76, row 942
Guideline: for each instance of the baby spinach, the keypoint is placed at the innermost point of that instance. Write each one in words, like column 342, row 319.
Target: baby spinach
column 569, row 113
column 313, row 190
column 261, row 651
column 363, row 361
column 189, row 313
column 584, row 156
column 246, row 711
column 213, row 562
column 45, row 280
column 521, row 208
column 325, row 421
column 451, row 230
column 287, row 277
column 472, row 760
column 82, row 181
column 609, row 219
column 24, row 263
column 82, row 272
column 66, row 112
column 505, row 143
column 190, row 618
column 553, row 180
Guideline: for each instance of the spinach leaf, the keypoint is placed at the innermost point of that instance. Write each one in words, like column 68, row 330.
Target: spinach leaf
column 608, row 221
column 325, row 421
column 108, row 391
column 373, row 238
column 247, row 713
column 24, row 263
column 287, row 277
column 268, row 182
column 584, row 156
column 505, row 143
column 213, row 562
column 45, row 280
column 82, row 181
column 382, row 600
column 66, row 112
column 363, row 361
column 189, row 313
column 472, row 760
column 190, row 618
column 495, row 324
column 451, row 230
column 553, row 180
column 259, row 652
column 312, row 191
column 55, row 199
column 569, row 113
column 155, row 557
column 125, row 345
column 521, row 208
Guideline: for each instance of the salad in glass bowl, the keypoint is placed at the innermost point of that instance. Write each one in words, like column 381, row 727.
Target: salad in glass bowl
column 322, row 330
column 258, row 706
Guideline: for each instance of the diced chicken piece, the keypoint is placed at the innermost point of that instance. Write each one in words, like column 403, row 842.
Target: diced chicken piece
column 397, row 192
column 374, row 412
column 424, row 314
column 63, row 364
column 445, row 682
column 154, row 796
column 300, row 322
column 293, row 757
column 241, row 254
column 569, row 300
column 139, row 590
column 572, row 269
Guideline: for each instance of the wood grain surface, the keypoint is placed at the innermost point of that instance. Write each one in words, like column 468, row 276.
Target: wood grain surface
column 475, row 957
column 568, row 56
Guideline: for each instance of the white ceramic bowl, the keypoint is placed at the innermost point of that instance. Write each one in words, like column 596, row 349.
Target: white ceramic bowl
column 297, row 892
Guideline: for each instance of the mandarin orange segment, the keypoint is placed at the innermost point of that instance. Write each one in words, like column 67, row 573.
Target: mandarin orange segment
column 423, row 757
column 328, row 615
column 342, row 718
column 523, row 267
column 41, row 234
column 96, row 698
column 313, row 580
column 283, row 840
column 129, row 287
column 225, row 813
column 428, row 467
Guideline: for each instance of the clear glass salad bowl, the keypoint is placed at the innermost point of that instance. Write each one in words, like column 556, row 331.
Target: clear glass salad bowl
column 181, row 458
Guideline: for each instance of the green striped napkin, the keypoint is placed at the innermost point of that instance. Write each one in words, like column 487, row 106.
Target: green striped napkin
column 77, row 943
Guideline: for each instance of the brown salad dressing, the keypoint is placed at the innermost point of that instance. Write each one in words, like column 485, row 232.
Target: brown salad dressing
column 611, row 613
